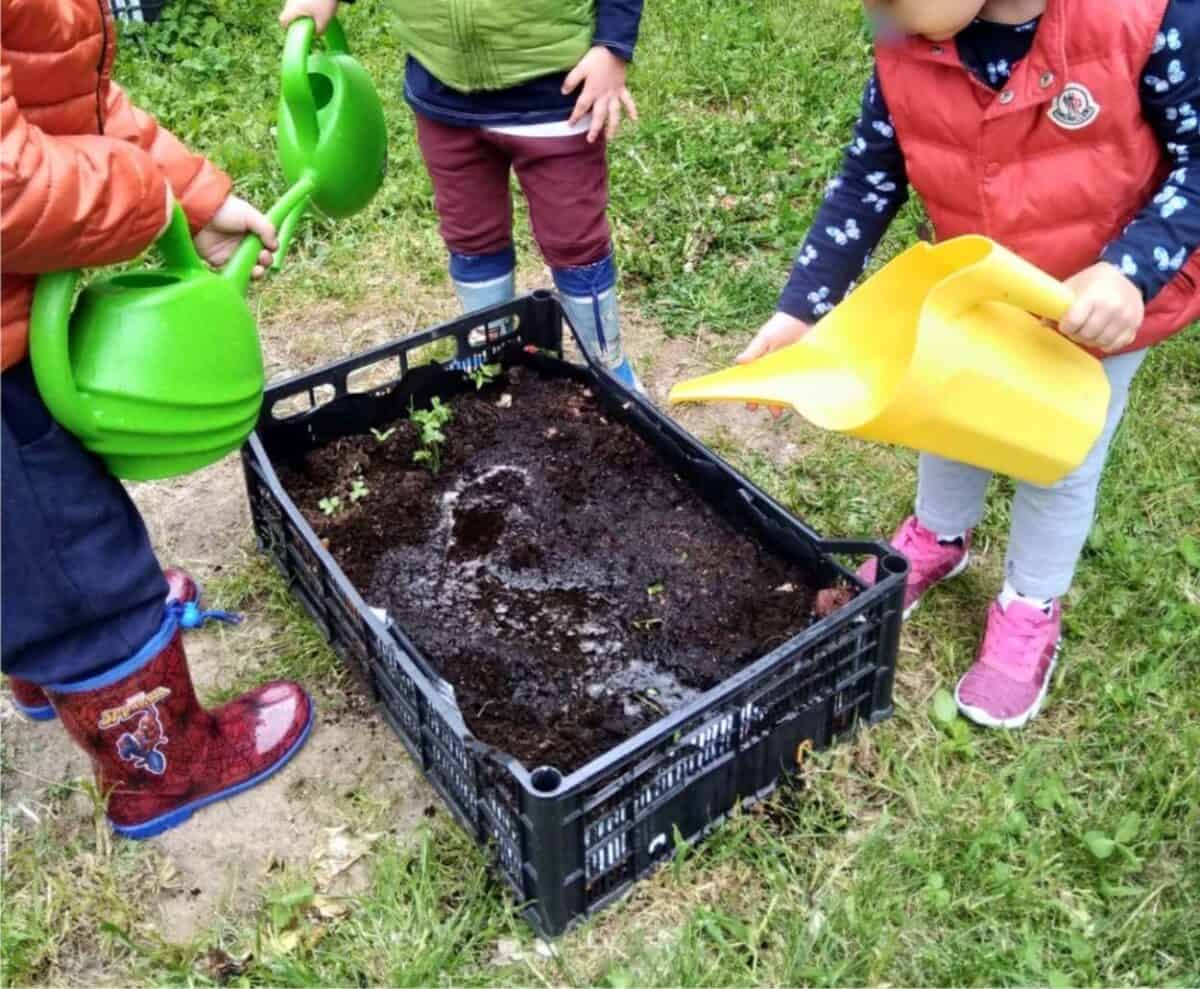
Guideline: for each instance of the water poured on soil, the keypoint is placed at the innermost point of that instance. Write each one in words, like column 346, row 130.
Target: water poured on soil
column 556, row 571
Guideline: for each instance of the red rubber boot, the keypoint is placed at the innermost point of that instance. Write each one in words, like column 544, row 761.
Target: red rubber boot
column 157, row 753
column 31, row 700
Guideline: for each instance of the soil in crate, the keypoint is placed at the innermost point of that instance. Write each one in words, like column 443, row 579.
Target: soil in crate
column 556, row 571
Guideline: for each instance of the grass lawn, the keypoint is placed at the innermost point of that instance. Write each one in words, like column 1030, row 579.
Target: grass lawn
column 923, row 853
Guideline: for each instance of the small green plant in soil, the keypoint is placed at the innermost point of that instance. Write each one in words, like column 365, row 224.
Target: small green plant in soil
column 431, row 422
column 484, row 375
column 382, row 435
column 358, row 489
column 330, row 506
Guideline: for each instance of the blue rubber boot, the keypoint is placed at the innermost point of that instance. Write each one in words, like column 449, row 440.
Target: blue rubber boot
column 589, row 298
column 481, row 281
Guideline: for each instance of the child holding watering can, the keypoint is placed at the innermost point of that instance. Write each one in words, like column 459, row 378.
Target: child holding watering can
column 1068, row 131
column 91, row 622
column 535, row 86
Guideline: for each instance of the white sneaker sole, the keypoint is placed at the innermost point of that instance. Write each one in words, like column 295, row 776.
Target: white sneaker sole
column 956, row 572
column 981, row 717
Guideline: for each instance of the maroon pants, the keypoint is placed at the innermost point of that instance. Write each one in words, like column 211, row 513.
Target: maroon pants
column 564, row 179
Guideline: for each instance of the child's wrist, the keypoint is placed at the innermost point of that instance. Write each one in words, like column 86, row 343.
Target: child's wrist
column 623, row 52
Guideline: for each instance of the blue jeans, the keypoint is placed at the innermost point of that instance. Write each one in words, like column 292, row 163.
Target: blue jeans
column 1049, row 525
column 82, row 589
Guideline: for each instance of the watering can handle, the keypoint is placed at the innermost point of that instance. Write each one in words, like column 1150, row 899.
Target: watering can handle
column 50, row 351
column 1006, row 277
column 176, row 245
column 335, row 37
column 297, row 91
column 50, row 328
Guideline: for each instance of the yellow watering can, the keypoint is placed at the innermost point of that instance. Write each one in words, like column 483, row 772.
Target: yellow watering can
column 939, row 352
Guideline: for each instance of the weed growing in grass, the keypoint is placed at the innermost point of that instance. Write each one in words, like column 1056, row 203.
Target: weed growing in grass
column 431, row 423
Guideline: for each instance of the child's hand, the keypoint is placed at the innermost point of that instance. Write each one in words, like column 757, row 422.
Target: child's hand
column 602, row 75
column 1108, row 309
column 321, row 11
column 236, row 218
column 780, row 331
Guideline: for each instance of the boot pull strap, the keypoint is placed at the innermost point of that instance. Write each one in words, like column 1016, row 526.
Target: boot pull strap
column 191, row 616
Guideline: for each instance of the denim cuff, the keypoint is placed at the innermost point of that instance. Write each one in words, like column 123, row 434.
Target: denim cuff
column 482, row 267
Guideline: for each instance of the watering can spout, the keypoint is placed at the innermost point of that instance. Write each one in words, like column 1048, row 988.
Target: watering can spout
column 939, row 352
column 240, row 267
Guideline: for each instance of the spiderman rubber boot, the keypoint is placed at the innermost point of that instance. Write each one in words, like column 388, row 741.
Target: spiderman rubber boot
column 157, row 754
column 31, row 700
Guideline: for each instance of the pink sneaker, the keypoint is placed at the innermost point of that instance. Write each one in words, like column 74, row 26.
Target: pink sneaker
column 1007, row 684
column 932, row 562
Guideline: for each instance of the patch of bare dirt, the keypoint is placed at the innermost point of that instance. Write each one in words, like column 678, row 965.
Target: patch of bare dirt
column 662, row 362
column 297, row 820
column 37, row 756
column 311, row 819
column 201, row 521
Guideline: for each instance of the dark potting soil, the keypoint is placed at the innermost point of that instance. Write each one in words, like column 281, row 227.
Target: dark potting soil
column 555, row 571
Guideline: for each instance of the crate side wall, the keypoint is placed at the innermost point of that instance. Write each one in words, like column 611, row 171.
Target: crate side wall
column 571, row 853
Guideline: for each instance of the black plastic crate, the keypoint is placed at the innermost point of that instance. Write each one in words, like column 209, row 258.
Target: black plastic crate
column 138, row 11
column 569, row 846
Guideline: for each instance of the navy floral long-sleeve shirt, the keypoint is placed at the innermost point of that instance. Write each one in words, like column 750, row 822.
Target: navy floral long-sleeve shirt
column 873, row 185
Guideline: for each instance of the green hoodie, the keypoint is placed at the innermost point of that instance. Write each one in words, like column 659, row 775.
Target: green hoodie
column 493, row 44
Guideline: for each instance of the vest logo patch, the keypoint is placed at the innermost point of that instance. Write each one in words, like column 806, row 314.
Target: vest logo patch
column 1075, row 107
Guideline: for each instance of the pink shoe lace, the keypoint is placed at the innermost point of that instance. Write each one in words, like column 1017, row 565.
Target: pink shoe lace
column 931, row 561
column 1006, row 685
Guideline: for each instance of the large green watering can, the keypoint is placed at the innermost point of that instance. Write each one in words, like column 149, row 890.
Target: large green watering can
column 160, row 372
column 331, row 132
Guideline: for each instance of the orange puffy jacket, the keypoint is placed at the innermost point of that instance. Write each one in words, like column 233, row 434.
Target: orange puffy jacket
column 84, row 170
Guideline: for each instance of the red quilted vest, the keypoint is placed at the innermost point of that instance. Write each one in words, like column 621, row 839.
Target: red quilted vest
column 1055, row 165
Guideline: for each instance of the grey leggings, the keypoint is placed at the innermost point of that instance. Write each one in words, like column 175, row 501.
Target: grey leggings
column 1049, row 525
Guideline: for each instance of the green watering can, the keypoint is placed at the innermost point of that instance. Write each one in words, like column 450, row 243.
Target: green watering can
column 331, row 132
column 157, row 372
column 160, row 372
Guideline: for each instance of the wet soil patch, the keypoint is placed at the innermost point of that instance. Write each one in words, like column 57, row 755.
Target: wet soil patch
column 555, row 570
